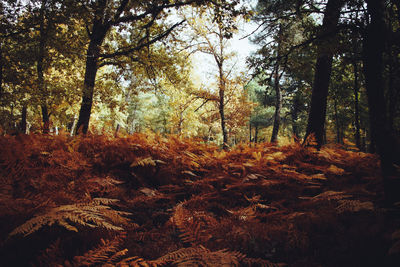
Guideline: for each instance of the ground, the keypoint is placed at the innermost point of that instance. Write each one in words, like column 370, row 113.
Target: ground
column 165, row 201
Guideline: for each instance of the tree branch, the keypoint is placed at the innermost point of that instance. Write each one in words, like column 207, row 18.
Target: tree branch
column 126, row 51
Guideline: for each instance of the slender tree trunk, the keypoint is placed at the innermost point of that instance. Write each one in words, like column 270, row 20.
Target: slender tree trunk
column 316, row 117
column 294, row 114
column 39, row 68
column 250, row 133
column 278, row 106
column 278, row 93
column 256, row 134
column 96, row 39
column 23, row 120
column 356, row 107
column 1, row 72
column 338, row 135
column 373, row 49
column 74, row 123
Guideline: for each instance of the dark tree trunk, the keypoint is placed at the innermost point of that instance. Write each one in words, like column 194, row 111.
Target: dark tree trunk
column 295, row 114
column 278, row 106
column 278, row 93
column 1, row 72
column 337, row 123
column 23, row 123
column 250, row 132
column 277, row 114
column 256, row 134
column 221, row 103
column 222, row 115
column 356, row 107
column 45, row 119
column 373, row 49
column 39, row 68
column 316, row 117
column 97, row 36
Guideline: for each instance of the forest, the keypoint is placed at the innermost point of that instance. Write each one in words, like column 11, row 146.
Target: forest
column 200, row 133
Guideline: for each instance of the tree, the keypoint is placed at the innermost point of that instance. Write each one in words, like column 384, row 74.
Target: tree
column 323, row 67
column 373, row 50
column 211, row 37
column 141, row 19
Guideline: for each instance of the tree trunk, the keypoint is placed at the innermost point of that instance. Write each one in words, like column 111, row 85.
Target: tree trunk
column 23, row 123
column 256, row 134
column 39, row 68
column 278, row 93
column 338, row 135
column 96, row 39
column 373, row 49
column 356, row 107
column 278, row 105
column 294, row 114
column 250, row 133
column 74, row 123
column 46, row 119
column 1, row 72
column 323, row 67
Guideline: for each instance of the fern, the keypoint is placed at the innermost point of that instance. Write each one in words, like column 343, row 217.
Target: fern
column 94, row 214
column 193, row 228
column 200, row 256
column 354, row 206
column 149, row 161
column 107, row 252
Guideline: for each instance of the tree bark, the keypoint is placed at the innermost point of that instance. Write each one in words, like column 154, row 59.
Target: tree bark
column 294, row 114
column 222, row 110
column 278, row 93
column 99, row 31
column 250, row 133
column 356, row 107
column 23, row 123
column 373, row 49
column 39, row 68
column 323, row 67
column 277, row 114
column 256, row 134
column 1, row 72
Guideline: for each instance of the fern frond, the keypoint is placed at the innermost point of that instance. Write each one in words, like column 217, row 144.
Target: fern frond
column 200, row 256
column 260, row 262
column 107, row 251
column 149, row 161
column 193, row 228
column 93, row 214
column 354, row 206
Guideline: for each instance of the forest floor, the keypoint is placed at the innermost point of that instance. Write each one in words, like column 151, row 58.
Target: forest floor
column 155, row 201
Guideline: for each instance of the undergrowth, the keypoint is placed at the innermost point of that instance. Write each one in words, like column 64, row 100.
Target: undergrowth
column 154, row 201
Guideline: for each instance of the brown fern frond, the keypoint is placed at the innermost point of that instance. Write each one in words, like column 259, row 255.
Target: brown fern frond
column 93, row 214
column 148, row 161
column 200, row 256
column 354, row 206
column 106, row 252
column 194, row 227
column 136, row 262
column 251, row 262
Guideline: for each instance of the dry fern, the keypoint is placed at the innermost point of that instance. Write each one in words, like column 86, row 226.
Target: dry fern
column 149, row 161
column 354, row 206
column 107, row 252
column 93, row 214
column 193, row 226
column 200, row 256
